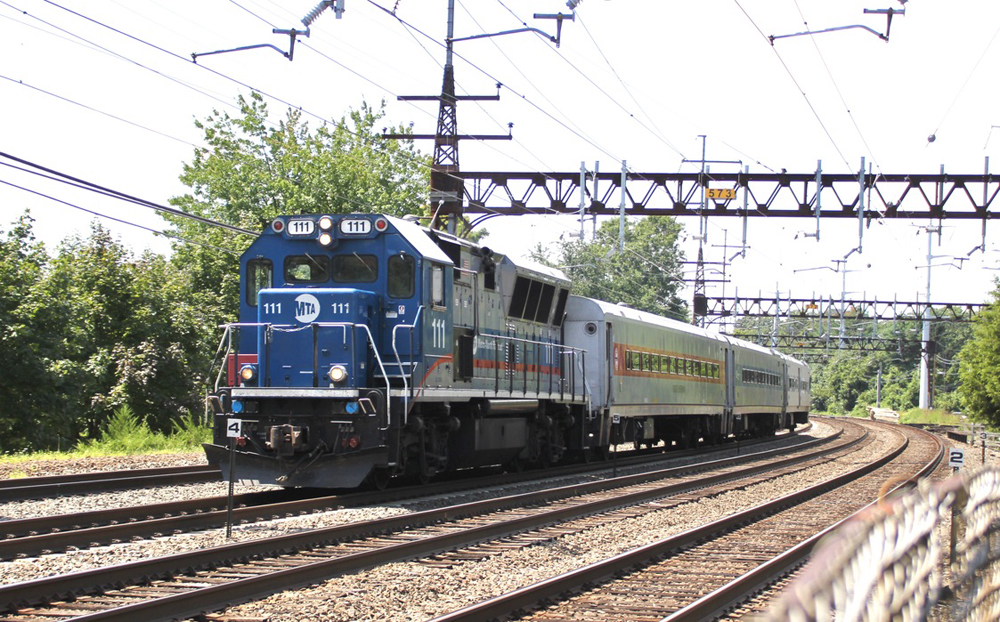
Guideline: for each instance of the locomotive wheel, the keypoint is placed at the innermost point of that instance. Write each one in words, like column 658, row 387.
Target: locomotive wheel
column 380, row 478
column 516, row 465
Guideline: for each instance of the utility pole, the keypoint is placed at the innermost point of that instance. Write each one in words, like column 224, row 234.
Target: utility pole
column 927, row 347
column 447, row 188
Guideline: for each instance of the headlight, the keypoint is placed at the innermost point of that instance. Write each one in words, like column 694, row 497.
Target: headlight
column 325, row 223
column 337, row 373
column 248, row 372
column 325, row 239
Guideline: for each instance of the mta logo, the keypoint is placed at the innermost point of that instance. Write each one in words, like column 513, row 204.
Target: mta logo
column 306, row 308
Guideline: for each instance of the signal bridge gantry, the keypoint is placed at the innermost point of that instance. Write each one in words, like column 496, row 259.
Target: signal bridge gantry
column 817, row 307
column 742, row 194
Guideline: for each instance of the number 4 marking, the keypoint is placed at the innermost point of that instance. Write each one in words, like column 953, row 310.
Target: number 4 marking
column 234, row 428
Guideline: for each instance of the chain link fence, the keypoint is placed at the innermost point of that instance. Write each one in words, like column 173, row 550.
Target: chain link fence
column 930, row 553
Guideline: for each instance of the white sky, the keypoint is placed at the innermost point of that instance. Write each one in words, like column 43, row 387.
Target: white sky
column 638, row 80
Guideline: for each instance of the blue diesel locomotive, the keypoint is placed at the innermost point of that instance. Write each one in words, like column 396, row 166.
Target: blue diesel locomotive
column 370, row 347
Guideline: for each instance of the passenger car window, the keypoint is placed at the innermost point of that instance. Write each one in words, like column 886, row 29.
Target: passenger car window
column 355, row 268
column 307, row 269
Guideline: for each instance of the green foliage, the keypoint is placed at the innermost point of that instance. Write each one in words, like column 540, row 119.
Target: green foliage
column 933, row 416
column 96, row 332
column 93, row 329
column 646, row 275
column 847, row 381
column 126, row 433
column 980, row 365
column 250, row 171
column 26, row 347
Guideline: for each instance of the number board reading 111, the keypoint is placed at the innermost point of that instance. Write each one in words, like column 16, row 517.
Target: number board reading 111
column 355, row 226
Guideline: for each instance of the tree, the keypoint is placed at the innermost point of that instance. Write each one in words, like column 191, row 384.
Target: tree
column 249, row 172
column 25, row 385
column 646, row 275
column 94, row 330
column 979, row 365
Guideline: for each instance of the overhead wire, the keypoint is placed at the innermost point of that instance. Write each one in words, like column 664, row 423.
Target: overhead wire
column 118, row 220
column 658, row 133
column 797, row 86
column 143, row 202
column 498, row 81
column 516, row 68
column 836, row 87
column 97, row 110
column 968, row 78
column 264, row 93
column 115, row 54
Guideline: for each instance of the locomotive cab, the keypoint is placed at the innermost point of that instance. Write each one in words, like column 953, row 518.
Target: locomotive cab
column 336, row 313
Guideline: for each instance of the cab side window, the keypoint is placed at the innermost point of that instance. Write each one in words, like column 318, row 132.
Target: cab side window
column 437, row 286
column 402, row 269
column 260, row 275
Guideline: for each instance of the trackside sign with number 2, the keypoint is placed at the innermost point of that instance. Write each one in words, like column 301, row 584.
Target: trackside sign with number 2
column 956, row 457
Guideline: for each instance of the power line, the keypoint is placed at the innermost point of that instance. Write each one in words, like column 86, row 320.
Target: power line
column 965, row 84
column 121, row 195
column 836, row 87
column 118, row 220
column 797, row 85
column 659, row 133
column 98, row 111
column 116, row 54
column 158, row 48
column 502, row 85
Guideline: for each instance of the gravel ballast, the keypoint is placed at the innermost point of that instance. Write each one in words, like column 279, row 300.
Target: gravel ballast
column 414, row 591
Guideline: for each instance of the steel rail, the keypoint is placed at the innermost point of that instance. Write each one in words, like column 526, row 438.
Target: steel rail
column 715, row 603
column 60, row 587
column 551, row 589
column 37, row 535
column 52, row 485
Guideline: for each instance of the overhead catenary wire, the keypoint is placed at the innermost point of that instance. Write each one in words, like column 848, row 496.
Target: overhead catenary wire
column 658, row 133
column 961, row 90
column 118, row 220
column 797, row 85
column 96, row 110
column 115, row 54
column 836, row 87
column 523, row 97
column 161, row 49
column 149, row 204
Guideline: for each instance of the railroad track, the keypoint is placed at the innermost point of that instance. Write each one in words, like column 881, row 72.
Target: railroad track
column 704, row 572
column 82, row 483
column 49, row 534
column 191, row 583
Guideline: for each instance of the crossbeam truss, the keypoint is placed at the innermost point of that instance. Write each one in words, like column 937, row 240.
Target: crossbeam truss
column 821, row 327
column 963, row 196
column 849, row 308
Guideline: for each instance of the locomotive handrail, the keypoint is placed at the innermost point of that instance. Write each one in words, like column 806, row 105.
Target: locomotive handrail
column 222, row 366
column 564, row 351
column 289, row 328
column 406, row 393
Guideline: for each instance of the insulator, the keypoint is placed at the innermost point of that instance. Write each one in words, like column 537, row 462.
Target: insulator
column 312, row 15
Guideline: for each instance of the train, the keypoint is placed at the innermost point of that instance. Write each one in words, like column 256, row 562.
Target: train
column 369, row 347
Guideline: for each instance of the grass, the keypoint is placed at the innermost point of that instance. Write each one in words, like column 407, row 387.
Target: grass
column 127, row 434
column 930, row 416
